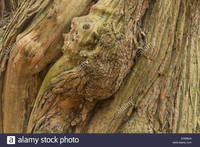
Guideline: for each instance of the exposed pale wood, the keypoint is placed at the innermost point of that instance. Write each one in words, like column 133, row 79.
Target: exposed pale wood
column 36, row 47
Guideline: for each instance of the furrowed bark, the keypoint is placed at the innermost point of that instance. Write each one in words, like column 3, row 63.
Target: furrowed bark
column 14, row 4
column 126, row 67
column 34, row 49
column 2, row 8
column 171, row 104
column 162, row 92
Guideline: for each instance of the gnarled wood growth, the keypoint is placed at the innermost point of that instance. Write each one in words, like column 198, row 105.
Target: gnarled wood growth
column 98, row 54
column 110, row 77
column 36, row 47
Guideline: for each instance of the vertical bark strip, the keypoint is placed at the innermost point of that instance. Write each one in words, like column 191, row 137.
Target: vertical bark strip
column 171, row 104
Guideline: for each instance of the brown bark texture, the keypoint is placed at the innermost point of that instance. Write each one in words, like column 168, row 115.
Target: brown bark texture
column 100, row 66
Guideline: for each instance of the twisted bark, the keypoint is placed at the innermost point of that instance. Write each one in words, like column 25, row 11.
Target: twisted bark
column 127, row 66
column 98, row 53
column 34, row 49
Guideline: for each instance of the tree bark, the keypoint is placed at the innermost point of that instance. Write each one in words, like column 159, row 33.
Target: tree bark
column 35, row 47
column 106, row 66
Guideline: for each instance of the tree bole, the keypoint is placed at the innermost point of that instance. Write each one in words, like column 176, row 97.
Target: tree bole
column 106, row 66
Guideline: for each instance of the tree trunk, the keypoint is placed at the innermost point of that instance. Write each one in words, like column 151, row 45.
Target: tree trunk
column 106, row 66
